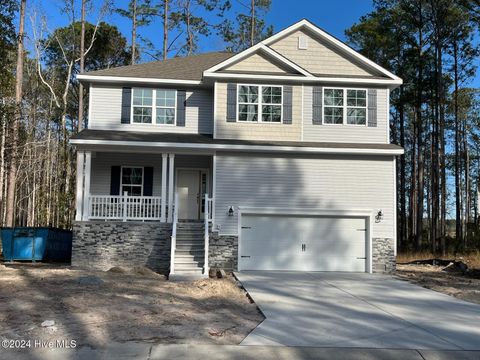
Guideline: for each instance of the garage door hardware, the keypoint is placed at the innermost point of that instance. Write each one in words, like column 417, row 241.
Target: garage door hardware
column 361, row 229
column 304, row 247
column 243, row 256
column 360, row 258
column 246, row 227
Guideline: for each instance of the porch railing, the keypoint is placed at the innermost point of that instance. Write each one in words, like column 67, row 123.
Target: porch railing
column 124, row 208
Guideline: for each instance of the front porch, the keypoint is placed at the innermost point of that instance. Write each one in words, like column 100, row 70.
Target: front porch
column 113, row 186
column 117, row 192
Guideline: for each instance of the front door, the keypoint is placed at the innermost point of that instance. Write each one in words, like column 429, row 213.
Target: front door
column 191, row 187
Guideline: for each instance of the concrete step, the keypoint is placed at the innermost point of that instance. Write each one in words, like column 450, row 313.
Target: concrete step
column 189, row 257
column 190, row 242
column 194, row 253
column 188, row 246
column 190, row 236
column 187, row 276
column 188, row 267
column 187, row 264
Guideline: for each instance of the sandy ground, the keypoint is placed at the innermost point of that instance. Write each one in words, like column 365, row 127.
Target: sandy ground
column 463, row 286
column 95, row 308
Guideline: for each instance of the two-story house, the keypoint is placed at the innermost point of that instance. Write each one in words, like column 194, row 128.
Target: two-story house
column 275, row 158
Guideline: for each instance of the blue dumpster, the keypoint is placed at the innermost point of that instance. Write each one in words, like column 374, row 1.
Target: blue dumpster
column 36, row 244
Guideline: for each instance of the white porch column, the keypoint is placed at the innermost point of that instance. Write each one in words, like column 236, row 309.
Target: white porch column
column 86, row 189
column 163, row 200
column 79, row 188
column 171, row 186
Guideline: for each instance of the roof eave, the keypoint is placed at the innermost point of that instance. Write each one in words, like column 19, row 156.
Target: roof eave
column 134, row 80
column 244, row 148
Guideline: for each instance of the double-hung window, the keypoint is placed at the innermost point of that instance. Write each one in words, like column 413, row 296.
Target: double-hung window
column 260, row 103
column 154, row 106
column 345, row 106
column 132, row 181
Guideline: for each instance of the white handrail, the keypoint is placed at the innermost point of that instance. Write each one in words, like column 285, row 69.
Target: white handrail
column 174, row 235
column 207, row 219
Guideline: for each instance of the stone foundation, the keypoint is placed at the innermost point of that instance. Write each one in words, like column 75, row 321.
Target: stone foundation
column 383, row 255
column 223, row 252
column 104, row 244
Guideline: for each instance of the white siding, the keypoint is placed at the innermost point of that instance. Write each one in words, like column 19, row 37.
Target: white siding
column 102, row 163
column 106, row 107
column 322, row 183
column 346, row 133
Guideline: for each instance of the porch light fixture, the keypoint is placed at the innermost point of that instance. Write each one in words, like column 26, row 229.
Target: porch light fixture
column 379, row 216
column 230, row 211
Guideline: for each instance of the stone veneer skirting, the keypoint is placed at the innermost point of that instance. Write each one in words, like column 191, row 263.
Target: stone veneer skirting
column 223, row 252
column 104, row 244
column 383, row 255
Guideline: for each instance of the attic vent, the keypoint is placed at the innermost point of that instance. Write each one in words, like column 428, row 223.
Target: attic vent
column 302, row 43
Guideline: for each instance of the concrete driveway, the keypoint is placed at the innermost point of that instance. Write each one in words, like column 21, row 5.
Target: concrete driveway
column 357, row 310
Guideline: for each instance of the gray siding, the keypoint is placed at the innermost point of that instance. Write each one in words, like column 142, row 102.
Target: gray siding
column 312, row 182
column 346, row 133
column 103, row 161
column 106, row 108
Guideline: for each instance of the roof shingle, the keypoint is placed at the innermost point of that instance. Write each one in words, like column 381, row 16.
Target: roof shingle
column 179, row 68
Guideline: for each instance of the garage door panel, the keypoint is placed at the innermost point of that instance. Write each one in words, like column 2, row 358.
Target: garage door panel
column 302, row 243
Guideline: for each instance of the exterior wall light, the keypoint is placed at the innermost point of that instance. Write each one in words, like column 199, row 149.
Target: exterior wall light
column 230, row 211
column 379, row 216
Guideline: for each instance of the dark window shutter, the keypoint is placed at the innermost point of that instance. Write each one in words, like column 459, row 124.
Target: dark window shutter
column 126, row 104
column 317, row 105
column 181, row 104
column 115, row 180
column 372, row 107
column 148, row 181
column 231, row 102
column 287, row 104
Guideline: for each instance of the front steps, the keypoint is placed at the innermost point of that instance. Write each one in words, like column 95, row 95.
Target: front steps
column 189, row 252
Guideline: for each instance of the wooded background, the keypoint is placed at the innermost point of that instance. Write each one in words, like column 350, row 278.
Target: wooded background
column 432, row 44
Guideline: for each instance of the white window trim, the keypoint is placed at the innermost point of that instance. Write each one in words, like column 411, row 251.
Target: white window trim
column 344, row 106
column 260, row 103
column 121, row 178
column 153, row 107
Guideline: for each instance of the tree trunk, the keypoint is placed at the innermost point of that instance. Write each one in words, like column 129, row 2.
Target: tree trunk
column 12, row 176
column 403, row 232
column 82, row 68
column 458, row 225
column 134, row 30
column 252, row 23
column 165, row 29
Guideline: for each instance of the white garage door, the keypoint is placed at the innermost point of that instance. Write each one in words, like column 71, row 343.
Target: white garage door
column 302, row 243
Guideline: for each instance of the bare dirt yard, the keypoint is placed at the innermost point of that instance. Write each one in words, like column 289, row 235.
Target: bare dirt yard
column 462, row 285
column 96, row 308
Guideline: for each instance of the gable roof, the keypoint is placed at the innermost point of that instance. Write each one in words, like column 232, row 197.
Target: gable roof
column 386, row 76
column 179, row 68
column 260, row 48
column 194, row 69
column 333, row 41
